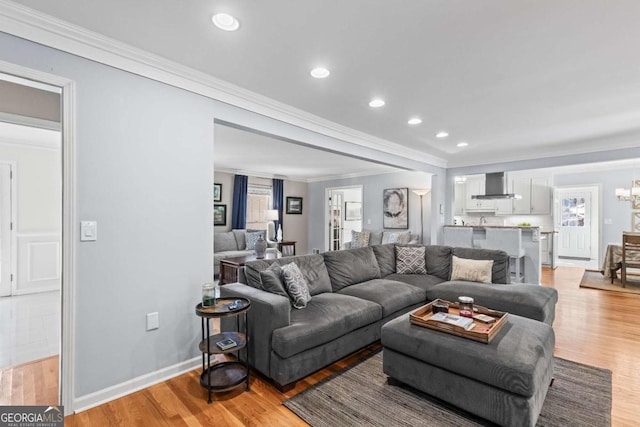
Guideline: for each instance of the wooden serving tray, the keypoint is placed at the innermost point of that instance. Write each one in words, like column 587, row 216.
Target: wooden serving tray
column 481, row 332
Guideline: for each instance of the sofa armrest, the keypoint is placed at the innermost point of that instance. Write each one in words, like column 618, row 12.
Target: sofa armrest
column 272, row 244
column 268, row 312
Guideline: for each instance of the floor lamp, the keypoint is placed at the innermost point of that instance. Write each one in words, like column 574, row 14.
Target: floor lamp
column 421, row 192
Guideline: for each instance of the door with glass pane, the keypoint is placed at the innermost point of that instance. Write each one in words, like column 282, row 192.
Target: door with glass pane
column 574, row 223
column 335, row 220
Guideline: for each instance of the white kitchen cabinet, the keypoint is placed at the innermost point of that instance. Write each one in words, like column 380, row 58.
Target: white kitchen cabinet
column 475, row 185
column 504, row 206
column 459, row 197
column 522, row 187
column 535, row 192
column 541, row 196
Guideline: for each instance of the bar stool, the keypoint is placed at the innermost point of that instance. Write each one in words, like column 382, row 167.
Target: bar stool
column 459, row 237
column 510, row 241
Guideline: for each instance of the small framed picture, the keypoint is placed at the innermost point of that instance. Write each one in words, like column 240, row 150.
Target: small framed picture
column 217, row 192
column 352, row 211
column 220, row 215
column 294, row 205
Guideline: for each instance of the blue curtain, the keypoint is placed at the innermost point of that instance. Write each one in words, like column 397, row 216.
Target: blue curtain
column 278, row 199
column 239, row 212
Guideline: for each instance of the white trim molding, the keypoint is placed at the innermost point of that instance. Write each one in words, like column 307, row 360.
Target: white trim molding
column 39, row 263
column 38, row 27
column 135, row 384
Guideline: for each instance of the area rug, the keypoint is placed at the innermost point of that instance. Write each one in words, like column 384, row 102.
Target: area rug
column 596, row 280
column 360, row 396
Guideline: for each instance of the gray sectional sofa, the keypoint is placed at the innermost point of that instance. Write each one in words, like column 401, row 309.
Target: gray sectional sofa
column 356, row 291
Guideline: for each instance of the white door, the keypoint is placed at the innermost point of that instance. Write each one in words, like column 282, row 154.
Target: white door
column 5, row 230
column 574, row 223
column 335, row 220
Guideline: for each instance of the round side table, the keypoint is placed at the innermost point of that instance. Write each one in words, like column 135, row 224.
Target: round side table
column 228, row 375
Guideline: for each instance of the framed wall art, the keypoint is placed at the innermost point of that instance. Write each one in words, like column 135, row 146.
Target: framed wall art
column 220, row 215
column 352, row 211
column 294, row 205
column 217, row 192
column 395, row 208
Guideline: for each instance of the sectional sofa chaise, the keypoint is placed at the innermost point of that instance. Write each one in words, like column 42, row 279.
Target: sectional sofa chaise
column 356, row 291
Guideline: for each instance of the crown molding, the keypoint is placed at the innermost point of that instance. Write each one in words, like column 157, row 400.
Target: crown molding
column 30, row 24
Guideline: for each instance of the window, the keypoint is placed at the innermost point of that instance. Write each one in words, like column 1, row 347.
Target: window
column 258, row 202
column 573, row 211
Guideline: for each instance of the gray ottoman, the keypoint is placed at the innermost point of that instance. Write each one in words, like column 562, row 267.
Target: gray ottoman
column 505, row 381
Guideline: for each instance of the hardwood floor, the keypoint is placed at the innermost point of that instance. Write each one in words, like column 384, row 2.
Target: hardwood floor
column 32, row 383
column 594, row 327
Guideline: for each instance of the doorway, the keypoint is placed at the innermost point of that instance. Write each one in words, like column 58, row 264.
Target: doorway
column 343, row 215
column 577, row 216
column 31, row 166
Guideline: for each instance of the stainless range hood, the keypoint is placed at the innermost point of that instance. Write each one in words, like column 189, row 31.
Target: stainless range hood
column 495, row 187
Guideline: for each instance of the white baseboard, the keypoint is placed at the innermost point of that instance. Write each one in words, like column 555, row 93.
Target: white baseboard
column 116, row 391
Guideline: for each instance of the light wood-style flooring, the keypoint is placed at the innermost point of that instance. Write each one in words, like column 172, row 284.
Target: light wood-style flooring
column 594, row 327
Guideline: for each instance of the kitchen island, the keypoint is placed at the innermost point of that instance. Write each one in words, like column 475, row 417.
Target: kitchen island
column 530, row 244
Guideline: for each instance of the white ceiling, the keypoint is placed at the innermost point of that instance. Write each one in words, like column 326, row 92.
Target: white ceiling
column 515, row 79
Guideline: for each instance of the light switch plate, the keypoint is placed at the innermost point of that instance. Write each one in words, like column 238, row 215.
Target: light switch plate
column 88, row 231
column 153, row 321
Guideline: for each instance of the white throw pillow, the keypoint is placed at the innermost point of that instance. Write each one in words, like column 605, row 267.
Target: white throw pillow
column 473, row 270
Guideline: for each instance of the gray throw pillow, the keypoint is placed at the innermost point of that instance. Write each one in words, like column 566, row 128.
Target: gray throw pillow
column 271, row 280
column 296, row 286
column 410, row 260
column 252, row 238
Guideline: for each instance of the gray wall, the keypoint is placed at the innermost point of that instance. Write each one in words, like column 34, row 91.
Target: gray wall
column 144, row 172
column 372, row 187
column 226, row 179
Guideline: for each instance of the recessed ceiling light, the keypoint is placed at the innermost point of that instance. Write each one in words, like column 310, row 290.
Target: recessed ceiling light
column 320, row 73
column 442, row 134
column 376, row 103
column 462, row 144
column 225, row 22
column 414, row 121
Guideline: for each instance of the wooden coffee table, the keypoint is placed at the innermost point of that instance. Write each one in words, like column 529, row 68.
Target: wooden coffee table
column 229, row 266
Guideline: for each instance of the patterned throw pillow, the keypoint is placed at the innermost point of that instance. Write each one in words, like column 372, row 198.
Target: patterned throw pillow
column 252, row 237
column 473, row 270
column 359, row 239
column 410, row 260
column 296, row 286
